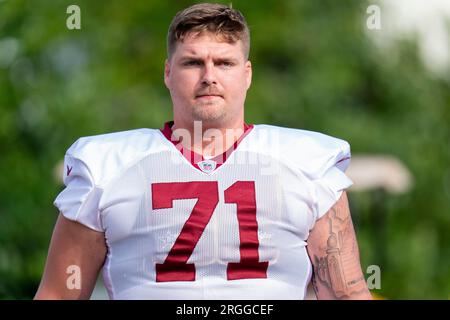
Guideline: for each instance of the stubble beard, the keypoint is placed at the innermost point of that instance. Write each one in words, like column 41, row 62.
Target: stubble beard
column 210, row 112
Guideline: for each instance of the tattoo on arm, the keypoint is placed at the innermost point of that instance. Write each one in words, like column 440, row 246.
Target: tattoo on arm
column 339, row 268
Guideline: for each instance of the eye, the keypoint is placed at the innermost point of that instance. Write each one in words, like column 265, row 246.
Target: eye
column 225, row 63
column 190, row 63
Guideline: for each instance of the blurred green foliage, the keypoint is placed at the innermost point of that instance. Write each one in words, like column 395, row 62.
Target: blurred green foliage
column 314, row 68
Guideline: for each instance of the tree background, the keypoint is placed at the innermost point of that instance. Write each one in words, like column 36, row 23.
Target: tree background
column 315, row 67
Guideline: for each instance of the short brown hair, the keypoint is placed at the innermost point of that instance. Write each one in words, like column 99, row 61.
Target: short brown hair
column 225, row 22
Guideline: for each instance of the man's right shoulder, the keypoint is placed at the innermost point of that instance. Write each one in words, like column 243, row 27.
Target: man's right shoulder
column 105, row 155
column 98, row 144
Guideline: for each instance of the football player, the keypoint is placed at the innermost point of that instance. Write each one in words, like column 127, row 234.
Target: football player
column 209, row 206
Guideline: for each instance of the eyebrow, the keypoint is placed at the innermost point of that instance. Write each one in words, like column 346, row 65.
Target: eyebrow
column 194, row 58
column 185, row 58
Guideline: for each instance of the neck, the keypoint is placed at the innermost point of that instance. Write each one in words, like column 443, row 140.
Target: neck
column 206, row 138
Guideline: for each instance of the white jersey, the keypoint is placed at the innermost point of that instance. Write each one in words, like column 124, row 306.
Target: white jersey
column 178, row 226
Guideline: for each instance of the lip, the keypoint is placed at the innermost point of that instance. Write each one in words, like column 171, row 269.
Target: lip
column 208, row 96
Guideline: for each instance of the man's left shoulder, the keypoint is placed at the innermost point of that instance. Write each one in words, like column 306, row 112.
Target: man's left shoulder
column 311, row 152
column 292, row 140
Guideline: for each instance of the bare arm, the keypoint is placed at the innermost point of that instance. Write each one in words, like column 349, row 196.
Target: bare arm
column 72, row 244
column 333, row 250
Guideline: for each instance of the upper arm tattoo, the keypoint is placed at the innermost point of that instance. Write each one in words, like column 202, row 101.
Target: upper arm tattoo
column 336, row 263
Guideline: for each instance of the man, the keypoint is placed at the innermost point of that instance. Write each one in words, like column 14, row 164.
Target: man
column 208, row 207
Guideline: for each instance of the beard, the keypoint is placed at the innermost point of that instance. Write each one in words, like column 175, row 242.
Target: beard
column 209, row 111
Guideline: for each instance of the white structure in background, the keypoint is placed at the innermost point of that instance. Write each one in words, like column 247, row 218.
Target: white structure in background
column 429, row 20
column 369, row 172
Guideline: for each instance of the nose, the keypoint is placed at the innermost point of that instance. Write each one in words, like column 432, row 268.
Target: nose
column 209, row 76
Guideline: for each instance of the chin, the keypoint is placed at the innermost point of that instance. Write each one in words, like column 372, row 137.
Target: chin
column 208, row 113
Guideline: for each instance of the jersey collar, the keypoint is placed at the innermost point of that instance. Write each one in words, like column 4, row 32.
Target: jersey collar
column 197, row 160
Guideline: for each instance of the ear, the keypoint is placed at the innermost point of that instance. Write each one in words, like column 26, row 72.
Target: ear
column 248, row 73
column 167, row 73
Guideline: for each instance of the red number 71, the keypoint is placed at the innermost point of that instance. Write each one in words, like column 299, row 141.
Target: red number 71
column 242, row 193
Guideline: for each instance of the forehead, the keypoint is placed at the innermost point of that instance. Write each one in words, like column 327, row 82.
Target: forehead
column 203, row 45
